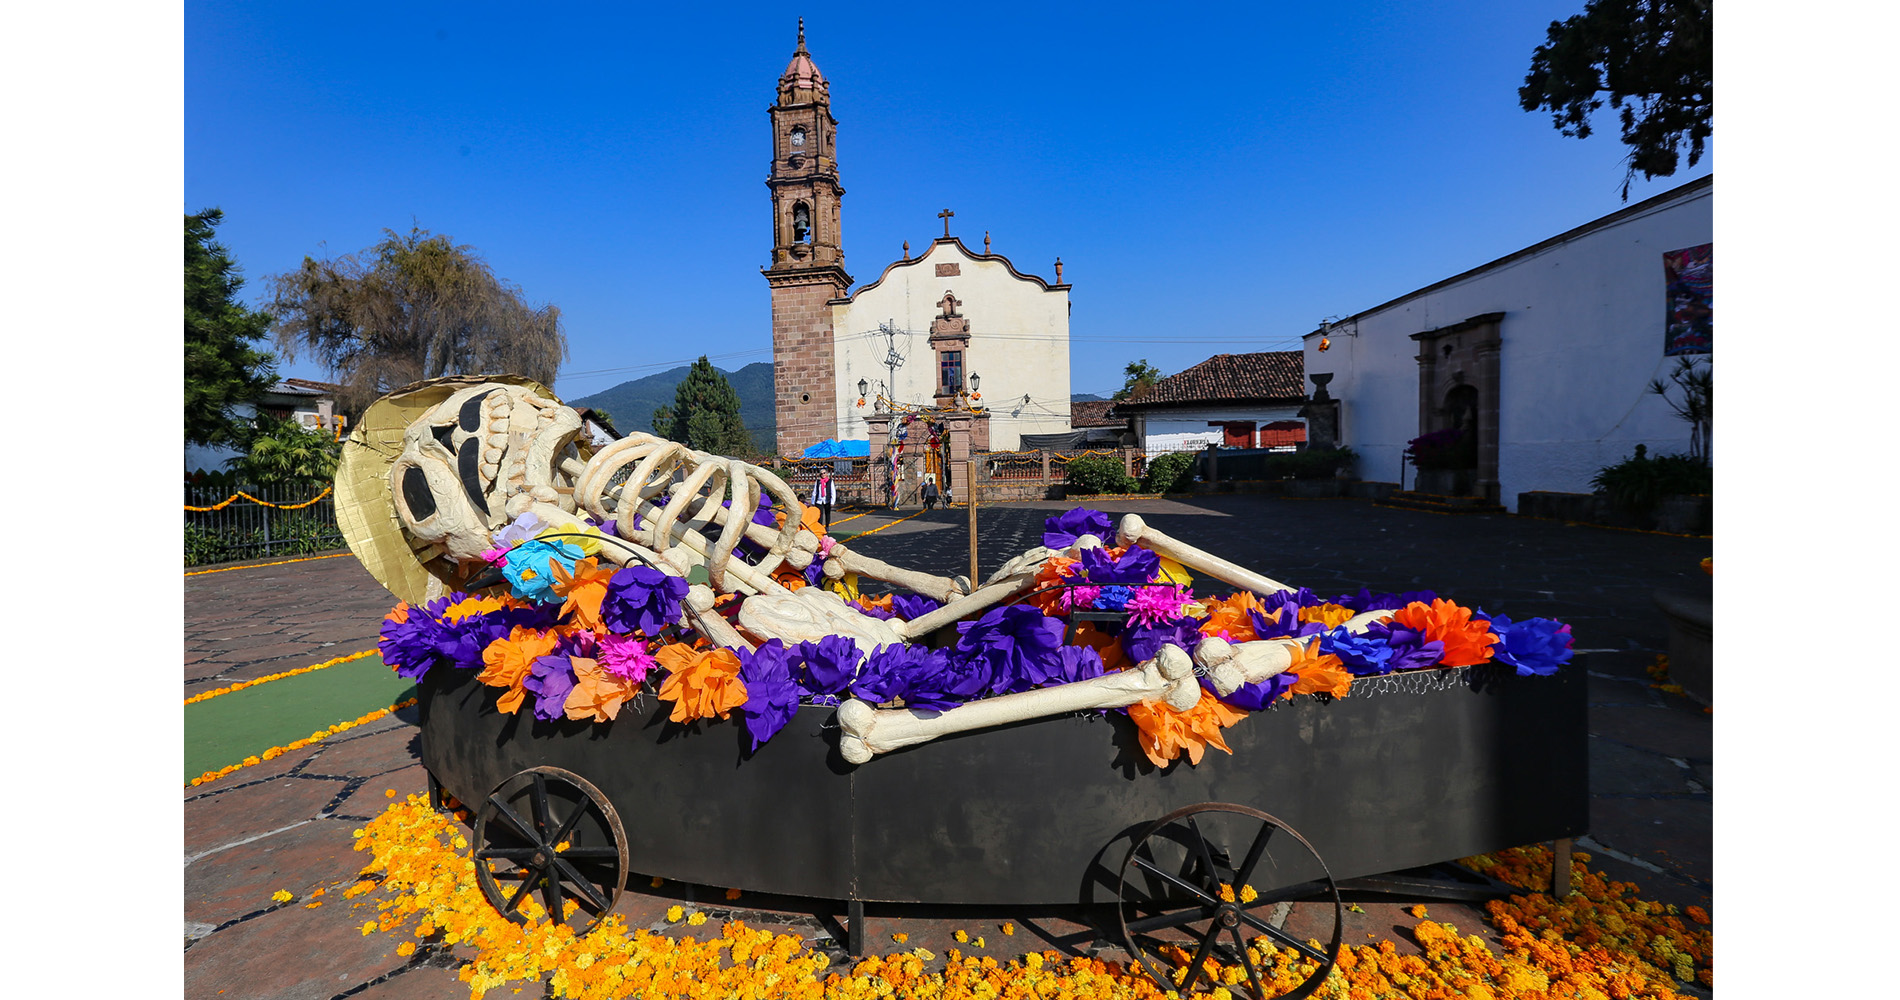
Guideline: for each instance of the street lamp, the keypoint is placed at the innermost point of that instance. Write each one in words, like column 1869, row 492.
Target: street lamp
column 976, row 382
column 864, row 386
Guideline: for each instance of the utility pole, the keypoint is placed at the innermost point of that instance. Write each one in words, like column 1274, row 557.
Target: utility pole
column 969, row 486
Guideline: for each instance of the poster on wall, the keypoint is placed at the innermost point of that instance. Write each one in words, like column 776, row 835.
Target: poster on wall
column 1689, row 327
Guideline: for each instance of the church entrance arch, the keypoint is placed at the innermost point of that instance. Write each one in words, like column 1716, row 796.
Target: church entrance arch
column 1458, row 397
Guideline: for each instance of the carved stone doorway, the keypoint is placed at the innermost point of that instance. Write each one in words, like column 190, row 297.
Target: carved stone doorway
column 1458, row 390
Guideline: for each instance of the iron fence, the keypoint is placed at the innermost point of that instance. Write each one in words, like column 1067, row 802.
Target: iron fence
column 286, row 523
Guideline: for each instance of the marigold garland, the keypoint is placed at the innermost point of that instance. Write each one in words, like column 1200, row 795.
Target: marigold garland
column 253, row 682
column 314, row 738
column 1599, row 942
column 228, row 501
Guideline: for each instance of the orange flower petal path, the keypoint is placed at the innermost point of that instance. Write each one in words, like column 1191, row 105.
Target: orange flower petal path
column 1599, row 942
column 314, row 738
column 253, row 682
column 280, row 562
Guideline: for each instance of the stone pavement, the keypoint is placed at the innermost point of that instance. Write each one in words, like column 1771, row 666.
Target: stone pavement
column 286, row 823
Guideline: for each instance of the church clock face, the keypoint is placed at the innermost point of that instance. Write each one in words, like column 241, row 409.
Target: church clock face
column 798, row 137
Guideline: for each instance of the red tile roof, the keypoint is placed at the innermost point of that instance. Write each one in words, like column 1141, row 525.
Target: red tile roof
column 1093, row 413
column 1265, row 377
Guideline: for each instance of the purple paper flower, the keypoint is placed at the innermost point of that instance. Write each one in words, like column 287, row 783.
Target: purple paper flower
column 932, row 679
column 911, row 607
column 1534, row 646
column 549, row 680
column 1281, row 618
column 771, row 695
column 886, row 673
column 1018, row 644
column 410, row 646
column 1136, row 565
column 1256, row 696
column 826, row 666
column 1362, row 655
column 642, row 599
column 1410, row 651
column 1142, row 642
column 1077, row 663
column 875, row 612
column 1061, row 531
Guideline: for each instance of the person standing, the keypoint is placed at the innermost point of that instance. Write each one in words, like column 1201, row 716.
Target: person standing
column 930, row 490
column 823, row 494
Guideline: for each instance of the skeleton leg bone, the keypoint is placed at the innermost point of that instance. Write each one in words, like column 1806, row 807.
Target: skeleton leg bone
column 868, row 731
column 1133, row 530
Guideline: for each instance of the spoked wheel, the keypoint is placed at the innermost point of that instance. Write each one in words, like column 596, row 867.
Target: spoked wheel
column 550, row 831
column 1204, row 879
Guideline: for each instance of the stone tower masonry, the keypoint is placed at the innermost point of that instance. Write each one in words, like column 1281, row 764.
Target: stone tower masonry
column 807, row 269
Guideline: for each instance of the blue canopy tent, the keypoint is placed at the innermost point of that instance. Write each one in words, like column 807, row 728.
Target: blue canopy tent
column 829, row 448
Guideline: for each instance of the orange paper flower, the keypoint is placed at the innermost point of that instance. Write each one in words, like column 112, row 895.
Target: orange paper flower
column 597, row 694
column 1108, row 647
column 1319, row 672
column 1231, row 616
column 869, row 603
column 1467, row 642
column 700, row 683
column 1052, row 572
column 1166, row 732
column 1329, row 615
column 792, row 579
column 507, row 662
column 584, row 589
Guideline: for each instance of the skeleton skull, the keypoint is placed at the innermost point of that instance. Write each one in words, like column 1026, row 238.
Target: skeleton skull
column 479, row 458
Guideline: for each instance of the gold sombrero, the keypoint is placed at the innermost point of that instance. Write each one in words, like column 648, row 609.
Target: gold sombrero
column 364, row 510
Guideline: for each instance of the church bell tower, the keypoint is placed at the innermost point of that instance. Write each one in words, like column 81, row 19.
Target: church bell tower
column 807, row 269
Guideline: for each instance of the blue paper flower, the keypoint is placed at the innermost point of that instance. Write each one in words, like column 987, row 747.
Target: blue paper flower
column 1362, row 655
column 1113, row 598
column 1534, row 646
column 530, row 568
column 1410, row 651
column 1061, row 531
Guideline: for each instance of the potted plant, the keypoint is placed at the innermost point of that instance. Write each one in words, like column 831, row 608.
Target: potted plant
column 1447, row 461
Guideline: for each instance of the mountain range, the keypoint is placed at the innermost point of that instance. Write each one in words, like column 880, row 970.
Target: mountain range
column 630, row 405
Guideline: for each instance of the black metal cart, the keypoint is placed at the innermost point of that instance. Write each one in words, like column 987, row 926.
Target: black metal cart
column 1409, row 771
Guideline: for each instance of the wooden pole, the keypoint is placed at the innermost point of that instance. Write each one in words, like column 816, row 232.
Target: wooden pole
column 969, row 480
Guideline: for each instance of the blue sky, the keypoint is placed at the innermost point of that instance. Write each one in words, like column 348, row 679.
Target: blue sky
column 1216, row 179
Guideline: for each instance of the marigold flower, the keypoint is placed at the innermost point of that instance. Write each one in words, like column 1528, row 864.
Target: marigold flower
column 674, row 913
column 696, row 919
column 282, row 896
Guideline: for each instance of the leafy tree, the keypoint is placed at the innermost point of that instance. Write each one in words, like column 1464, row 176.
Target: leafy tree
column 1653, row 58
column 284, row 451
column 705, row 413
column 221, row 366
column 412, row 307
column 1139, row 380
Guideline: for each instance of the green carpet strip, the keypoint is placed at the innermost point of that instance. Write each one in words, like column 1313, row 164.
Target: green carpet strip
column 226, row 729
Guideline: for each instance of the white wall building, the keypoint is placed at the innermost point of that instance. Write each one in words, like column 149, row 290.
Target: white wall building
column 1229, row 400
column 1017, row 344
column 1550, row 350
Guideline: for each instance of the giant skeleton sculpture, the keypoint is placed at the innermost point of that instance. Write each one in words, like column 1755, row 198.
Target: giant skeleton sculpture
column 493, row 451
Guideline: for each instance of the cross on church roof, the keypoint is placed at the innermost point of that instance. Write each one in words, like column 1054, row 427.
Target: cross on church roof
column 945, row 216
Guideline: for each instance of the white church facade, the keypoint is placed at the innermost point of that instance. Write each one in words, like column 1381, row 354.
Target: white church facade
column 1545, row 355
column 951, row 329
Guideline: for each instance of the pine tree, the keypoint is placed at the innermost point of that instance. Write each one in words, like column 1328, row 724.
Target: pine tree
column 705, row 414
column 221, row 367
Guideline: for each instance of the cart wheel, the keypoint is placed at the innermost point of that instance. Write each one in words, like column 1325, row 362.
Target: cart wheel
column 1183, row 886
column 518, row 830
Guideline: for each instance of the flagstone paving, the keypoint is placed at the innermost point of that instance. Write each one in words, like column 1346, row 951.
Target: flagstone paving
column 286, row 823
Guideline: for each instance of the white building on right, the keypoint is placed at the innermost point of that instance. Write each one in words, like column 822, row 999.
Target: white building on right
column 1545, row 355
